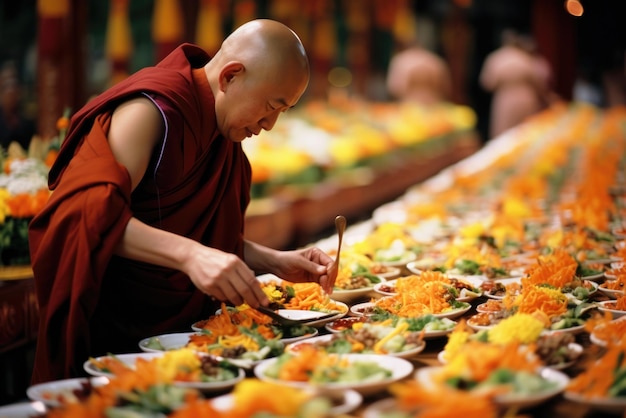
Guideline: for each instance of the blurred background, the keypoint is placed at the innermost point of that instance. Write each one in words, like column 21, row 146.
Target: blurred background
column 64, row 51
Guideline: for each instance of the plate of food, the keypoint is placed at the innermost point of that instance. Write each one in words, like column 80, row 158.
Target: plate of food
column 107, row 365
column 192, row 369
column 251, row 349
column 372, row 308
column 616, row 307
column 612, row 288
column 340, row 402
column 342, row 324
column 228, row 320
column 497, row 289
column 23, row 410
column 364, row 373
column 610, row 405
column 524, row 391
column 58, row 392
column 367, row 338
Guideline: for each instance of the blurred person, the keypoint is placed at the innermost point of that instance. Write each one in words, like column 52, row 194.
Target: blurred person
column 420, row 76
column 15, row 126
column 518, row 79
column 144, row 232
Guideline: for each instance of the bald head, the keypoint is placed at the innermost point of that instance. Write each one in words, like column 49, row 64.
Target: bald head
column 262, row 65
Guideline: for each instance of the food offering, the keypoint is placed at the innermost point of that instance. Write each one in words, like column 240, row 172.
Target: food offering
column 460, row 289
column 614, row 289
column 429, row 293
column 229, row 320
column 555, row 350
column 605, row 331
column 365, row 373
column 299, row 296
column 389, row 244
column 602, row 385
column 387, row 337
column 616, row 307
column 188, row 367
column 355, row 279
column 511, row 374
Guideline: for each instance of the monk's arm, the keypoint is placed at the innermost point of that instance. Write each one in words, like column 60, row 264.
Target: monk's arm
column 136, row 127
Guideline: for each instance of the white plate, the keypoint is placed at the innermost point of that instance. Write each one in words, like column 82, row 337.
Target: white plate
column 505, row 282
column 482, row 308
column 609, row 405
column 23, row 410
column 604, row 308
column 571, row 330
column 425, row 375
column 293, row 348
column 378, row 288
column 168, row 341
column 382, row 407
column 613, row 294
column 339, row 325
column 347, row 401
column 313, row 332
column 348, row 296
column 407, row 257
column 356, row 310
column 391, row 273
column 49, row 392
column 299, row 314
column 399, row 367
column 128, row 359
column 131, row 359
column 594, row 277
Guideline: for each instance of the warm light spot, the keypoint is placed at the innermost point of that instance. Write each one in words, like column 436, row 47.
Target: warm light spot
column 574, row 7
column 340, row 77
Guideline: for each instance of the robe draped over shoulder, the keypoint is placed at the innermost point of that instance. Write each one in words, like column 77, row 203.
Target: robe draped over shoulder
column 197, row 185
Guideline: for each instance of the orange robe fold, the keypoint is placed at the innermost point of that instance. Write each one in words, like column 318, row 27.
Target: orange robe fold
column 197, row 185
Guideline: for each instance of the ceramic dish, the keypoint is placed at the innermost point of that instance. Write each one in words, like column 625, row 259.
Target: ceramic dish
column 425, row 376
column 344, row 402
column 50, row 393
column 612, row 293
column 311, row 331
column 608, row 405
column 340, row 325
column 388, row 289
column 128, row 359
column 360, row 309
column 352, row 295
column 293, row 348
column 399, row 368
column 23, row 410
column 609, row 306
column 167, row 342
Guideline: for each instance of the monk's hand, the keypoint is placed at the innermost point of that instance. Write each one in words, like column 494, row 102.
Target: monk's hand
column 224, row 276
column 306, row 265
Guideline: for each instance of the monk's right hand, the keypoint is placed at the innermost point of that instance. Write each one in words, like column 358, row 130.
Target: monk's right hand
column 224, row 276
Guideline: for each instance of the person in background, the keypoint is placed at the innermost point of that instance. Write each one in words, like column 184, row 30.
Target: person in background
column 144, row 232
column 14, row 125
column 519, row 82
column 420, row 76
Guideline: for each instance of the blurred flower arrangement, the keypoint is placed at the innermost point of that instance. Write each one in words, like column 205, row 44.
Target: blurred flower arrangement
column 24, row 191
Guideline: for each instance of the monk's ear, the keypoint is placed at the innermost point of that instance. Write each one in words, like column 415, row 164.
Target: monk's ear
column 229, row 72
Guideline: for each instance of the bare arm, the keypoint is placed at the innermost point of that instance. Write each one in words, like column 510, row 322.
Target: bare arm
column 136, row 127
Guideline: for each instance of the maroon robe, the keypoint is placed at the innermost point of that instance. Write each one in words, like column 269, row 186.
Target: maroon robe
column 197, row 185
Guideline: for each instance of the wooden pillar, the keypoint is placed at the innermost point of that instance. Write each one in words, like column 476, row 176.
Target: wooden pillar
column 60, row 61
column 119, row 41
column 167, row 27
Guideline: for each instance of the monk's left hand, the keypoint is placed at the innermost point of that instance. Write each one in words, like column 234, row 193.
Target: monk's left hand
column 306, row 265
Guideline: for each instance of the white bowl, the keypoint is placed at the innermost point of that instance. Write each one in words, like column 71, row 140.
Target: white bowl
column 49, row 392
column 352, row 295
column 603, row 307
column 293, row 347
column 128, row 359
column 399, row 368
column 425, row 376
column 612, row 293
column 348, row 401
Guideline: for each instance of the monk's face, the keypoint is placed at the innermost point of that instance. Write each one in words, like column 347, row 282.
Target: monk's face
column 254, row 101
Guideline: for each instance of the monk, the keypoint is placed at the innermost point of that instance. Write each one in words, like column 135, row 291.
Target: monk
column 143, row 234
column 419, row 76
